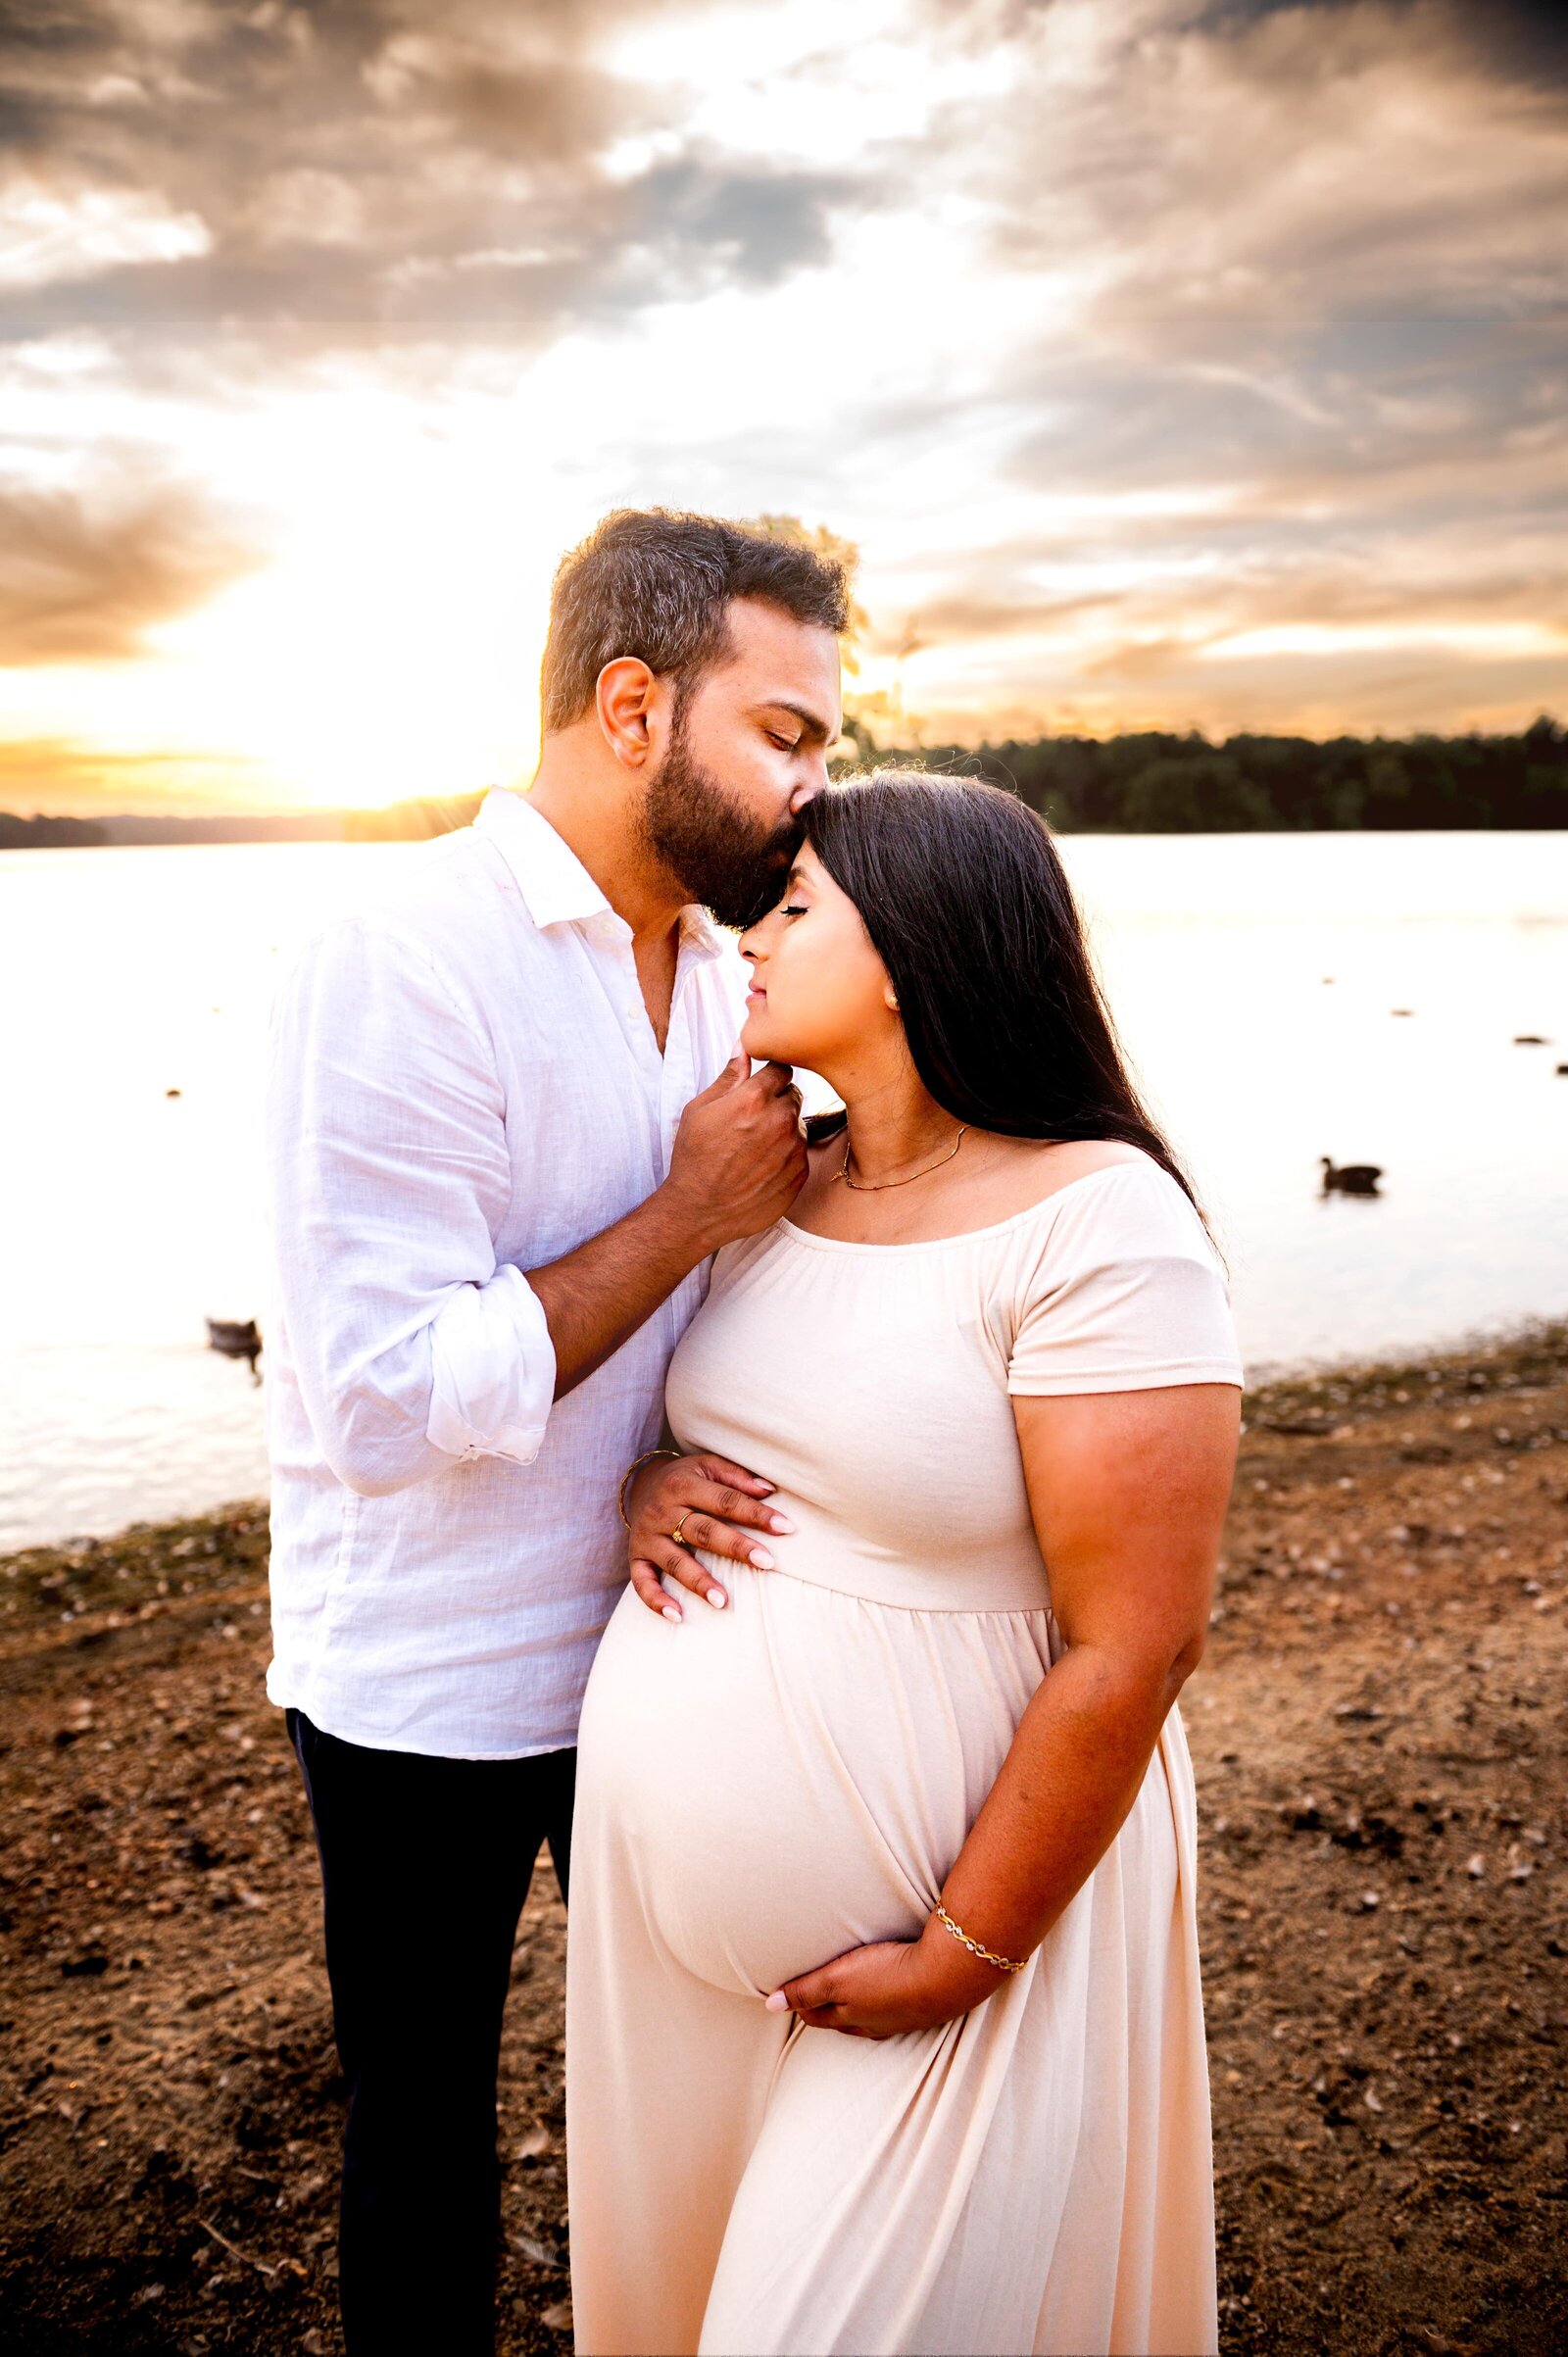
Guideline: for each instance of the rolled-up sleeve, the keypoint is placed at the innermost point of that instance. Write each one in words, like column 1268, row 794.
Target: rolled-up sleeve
column 493, row 1370
column 390, row 1176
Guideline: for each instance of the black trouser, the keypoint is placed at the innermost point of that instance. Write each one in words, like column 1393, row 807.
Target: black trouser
column 426, row 1864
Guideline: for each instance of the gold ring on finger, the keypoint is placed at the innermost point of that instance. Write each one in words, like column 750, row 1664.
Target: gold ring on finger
column 676, row 1534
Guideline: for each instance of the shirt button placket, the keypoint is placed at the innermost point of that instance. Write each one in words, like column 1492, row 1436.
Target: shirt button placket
column 679, row 1078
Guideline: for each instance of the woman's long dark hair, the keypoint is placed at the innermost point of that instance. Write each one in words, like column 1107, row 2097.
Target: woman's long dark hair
column 967, row 906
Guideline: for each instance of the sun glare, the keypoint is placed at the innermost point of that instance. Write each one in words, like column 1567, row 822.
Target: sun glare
column 388, row 646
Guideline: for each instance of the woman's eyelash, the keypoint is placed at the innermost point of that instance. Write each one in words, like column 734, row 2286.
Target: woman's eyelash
column 792, row 908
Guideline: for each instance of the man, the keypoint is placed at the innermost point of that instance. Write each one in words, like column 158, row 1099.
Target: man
column 507, row 1129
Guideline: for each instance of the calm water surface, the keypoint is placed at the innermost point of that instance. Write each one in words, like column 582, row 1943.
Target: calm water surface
column 127, row 1215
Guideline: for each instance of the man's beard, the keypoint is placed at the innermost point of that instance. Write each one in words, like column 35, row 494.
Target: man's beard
column 717, row 854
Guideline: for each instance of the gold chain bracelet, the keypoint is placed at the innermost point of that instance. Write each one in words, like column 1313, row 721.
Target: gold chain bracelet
column 631, row 1472
column 1005, row 1964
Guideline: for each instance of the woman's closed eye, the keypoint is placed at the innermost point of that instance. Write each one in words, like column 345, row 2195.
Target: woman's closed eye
column 793, row 909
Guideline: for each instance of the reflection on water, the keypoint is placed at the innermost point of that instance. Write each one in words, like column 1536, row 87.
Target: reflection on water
column 129, row 1215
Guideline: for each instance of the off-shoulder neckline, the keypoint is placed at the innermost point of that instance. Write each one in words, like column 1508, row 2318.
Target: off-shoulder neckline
column 998, row 1227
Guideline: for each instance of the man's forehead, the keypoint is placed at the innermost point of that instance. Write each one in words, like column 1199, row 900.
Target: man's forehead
column 774, row 662
column 759, row 632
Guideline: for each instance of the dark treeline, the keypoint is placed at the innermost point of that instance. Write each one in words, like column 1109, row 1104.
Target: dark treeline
column 1156, row 784
column 1153, row 783
column 398, row 823
column 30, row 834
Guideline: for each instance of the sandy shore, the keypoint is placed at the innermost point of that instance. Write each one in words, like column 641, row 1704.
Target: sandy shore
column 1379, row 1737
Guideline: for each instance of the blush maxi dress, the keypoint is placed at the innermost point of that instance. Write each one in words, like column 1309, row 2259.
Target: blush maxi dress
column 763, row 1787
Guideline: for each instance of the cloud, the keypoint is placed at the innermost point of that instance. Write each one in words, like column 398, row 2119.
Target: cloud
column 83, row 580
column 45, row 238
column 964, row 616
column 1288, row 369
column 73, row 775
column 1526, row 38
column 1298, row 163
column 372, row 163
column 1170, row 359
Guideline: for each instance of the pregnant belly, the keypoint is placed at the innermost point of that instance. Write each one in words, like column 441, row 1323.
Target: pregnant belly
column 793, row 1776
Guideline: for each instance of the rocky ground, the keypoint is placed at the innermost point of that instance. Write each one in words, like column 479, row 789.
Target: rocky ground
column 1379, row 1737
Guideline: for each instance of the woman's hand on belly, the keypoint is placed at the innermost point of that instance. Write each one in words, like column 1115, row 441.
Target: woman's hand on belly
column 891, row 1987
column 716, row 1507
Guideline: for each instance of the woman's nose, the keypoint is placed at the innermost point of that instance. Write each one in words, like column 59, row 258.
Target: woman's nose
column 754, row 941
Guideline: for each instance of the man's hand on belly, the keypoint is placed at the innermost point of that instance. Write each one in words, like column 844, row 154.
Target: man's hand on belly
column 715, row 1505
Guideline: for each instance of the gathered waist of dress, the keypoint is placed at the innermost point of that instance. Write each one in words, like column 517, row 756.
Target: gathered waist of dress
column 824, row 1553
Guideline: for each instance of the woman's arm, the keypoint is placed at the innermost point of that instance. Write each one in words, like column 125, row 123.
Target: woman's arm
column 1128, row 1491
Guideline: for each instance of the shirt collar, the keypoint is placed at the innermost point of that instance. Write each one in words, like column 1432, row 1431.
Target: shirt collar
column 700, row 937
column 555, row 886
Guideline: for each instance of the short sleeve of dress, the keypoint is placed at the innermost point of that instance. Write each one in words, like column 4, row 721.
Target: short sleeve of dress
column 1123, row 1291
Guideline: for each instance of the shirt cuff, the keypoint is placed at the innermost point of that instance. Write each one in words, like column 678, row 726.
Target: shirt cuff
column 492, row 1371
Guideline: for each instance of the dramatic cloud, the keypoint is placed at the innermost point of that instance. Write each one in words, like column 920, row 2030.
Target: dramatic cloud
column 1172, row 361
column 367, row 163
column 82, row 581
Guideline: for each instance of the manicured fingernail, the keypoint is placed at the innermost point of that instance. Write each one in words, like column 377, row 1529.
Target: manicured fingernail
column 778, row 2003
column 782, row 1524
column 672, row 1612
column 760, row 1557
column 716, row 1598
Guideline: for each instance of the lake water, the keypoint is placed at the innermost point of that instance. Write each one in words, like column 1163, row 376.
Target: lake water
column 127, row 1215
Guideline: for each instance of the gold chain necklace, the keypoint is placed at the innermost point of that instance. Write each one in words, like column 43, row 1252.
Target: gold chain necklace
column 877, row 1186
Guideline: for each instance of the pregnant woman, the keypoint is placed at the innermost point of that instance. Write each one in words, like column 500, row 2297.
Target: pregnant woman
column 884, row 2023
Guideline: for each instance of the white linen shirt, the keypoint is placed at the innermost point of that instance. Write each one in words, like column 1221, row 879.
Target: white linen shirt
column 464, row 1084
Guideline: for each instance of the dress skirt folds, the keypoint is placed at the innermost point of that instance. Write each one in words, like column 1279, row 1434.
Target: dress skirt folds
column 764, row 1788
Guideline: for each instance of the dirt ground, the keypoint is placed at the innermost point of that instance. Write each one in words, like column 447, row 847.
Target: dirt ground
column 1378, row 1736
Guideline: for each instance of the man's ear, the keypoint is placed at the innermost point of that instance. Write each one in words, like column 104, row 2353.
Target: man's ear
column 624, row 697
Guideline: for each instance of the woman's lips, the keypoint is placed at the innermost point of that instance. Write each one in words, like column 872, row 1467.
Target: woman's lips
column 756, row 992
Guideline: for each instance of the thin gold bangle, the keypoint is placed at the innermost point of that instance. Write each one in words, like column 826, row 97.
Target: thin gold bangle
column 1005, row 1964
column 647, row 1459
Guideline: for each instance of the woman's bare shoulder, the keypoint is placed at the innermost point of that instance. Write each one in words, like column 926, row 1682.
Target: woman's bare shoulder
column 1071, row 1156
column 1029, row 1170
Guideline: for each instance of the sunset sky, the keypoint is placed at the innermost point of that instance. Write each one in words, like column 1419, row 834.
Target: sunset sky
column 1179, row 362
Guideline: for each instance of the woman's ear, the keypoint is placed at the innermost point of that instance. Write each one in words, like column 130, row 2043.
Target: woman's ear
column 890, row 998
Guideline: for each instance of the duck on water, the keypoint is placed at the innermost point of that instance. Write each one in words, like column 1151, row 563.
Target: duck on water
column 232, row 1339
column 1350, row 1178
